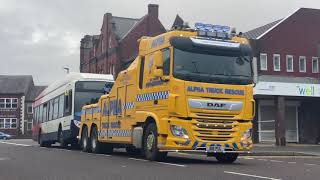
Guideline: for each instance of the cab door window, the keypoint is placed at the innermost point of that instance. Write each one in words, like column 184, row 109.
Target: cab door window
column 166, row 62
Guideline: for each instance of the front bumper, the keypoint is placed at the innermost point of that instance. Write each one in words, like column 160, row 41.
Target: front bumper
column 228, row 134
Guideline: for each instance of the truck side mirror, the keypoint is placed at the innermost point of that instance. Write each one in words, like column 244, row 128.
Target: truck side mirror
column 255, row 70
column 158, row 72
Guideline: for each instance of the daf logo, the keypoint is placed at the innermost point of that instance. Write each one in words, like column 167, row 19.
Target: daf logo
column 216, row 105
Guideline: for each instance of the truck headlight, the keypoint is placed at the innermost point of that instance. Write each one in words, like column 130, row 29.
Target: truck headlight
column 179, row 131
column 247, row 134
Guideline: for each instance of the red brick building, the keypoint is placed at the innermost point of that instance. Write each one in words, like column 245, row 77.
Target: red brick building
column 288, row 90
column 17, row 93
column 117, row 44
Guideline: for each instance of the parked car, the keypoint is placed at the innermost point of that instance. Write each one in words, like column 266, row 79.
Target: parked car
column 4, row 136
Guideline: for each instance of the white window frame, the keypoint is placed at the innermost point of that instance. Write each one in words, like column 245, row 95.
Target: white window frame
column 11, row 103
column 14, row 103
column 287, row 61
column 266, row 67
column 10, row 123
column 274, row 67
column 29, row 122
column 28, row 105
column 317, row 60
column 305, row 64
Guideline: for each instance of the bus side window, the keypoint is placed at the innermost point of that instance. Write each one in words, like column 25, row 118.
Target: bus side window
column 141, row 73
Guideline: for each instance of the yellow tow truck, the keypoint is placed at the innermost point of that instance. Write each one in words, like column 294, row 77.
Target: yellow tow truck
column 187, row 90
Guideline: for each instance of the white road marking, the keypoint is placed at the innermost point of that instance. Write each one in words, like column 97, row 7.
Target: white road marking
column 262, row 159
column 248, row 158
column 25, row 145
column 3, row 159
column 292, row 162
column 308, row 164
column 172, row 164
column 135, row 159
column 276, row 161
column 250, row 175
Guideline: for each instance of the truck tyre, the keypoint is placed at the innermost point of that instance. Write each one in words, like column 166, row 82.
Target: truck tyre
column 96, row 146
column 227, row 158
column 150, row 144
column 62, row 142
column 85, row 140
column 132, row 151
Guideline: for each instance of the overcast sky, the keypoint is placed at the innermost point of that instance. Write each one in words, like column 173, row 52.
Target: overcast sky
column 40, row 37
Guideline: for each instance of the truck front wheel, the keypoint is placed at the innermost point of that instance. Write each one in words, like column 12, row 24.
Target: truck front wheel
column 227, row 158
column 150, row 144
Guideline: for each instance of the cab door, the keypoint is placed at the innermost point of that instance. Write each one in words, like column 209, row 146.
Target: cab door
column 155, row 90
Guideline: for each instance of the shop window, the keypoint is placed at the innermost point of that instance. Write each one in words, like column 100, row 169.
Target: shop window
column 263, row 62
column 289, row 63
column 315, row 65
column 302, row 64
column 276, row 62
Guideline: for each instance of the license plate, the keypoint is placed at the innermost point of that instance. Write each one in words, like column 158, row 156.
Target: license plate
column 215, row 148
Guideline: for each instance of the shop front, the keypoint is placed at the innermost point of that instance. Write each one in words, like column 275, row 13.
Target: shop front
column 285, row 112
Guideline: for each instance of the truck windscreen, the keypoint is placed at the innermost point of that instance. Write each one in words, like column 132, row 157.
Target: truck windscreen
column 211, row 64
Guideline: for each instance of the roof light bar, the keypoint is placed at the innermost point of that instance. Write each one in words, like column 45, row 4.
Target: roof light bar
column 210, row 30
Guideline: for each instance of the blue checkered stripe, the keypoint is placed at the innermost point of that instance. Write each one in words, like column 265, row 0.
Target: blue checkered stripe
column 115, row 133
column 153, row 96
column 128, row 105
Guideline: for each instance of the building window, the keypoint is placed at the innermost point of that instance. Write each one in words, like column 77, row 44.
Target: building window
column 276, row 62
column 14, row 103
column 8, row 103
column 315, row 65
column 263, row 62
column 1, row 123
column 8, row 123
column 29, row 108
column 289, row 63
column 302, row 64
column 2, row 104
column 29, row 125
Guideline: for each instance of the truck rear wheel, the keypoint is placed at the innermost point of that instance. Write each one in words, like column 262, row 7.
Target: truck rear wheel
column 132, row 151
column 150, row 144
column 85, row 140
column 96, row 146
column 227, row 158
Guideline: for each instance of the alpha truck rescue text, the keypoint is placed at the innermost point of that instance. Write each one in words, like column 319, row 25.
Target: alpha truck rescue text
column 185, row 91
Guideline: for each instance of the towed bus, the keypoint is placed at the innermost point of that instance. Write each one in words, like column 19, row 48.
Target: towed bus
column 57, row 110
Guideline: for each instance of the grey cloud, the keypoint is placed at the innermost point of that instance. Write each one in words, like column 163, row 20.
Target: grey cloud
column 39, row 37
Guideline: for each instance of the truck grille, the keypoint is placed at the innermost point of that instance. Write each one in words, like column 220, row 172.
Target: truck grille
column 217, row 130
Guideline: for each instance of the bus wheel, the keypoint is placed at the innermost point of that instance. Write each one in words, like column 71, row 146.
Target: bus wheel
column 227, row 158
column 150, row 142
column 95, row 144
column 42, row 143
column 62, row 142
column 84, row 140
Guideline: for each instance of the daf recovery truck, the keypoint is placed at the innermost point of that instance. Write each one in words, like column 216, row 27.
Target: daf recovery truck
column 187, row 90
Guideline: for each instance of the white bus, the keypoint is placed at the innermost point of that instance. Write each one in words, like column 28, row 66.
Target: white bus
column 57, row 110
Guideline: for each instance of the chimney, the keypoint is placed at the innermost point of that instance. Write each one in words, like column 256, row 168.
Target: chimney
column 153, row 10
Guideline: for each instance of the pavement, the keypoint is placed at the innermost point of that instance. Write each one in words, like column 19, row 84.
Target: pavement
column 290, row 149
column 25, row 160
